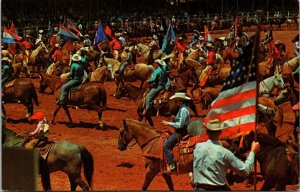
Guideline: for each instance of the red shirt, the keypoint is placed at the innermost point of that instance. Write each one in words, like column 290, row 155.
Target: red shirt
column 211, row 58
column 116, row 44
column 181, row 47
column 58, row 56
column 27, row 44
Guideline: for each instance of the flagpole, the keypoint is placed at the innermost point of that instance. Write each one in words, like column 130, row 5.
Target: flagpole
column 254, row 59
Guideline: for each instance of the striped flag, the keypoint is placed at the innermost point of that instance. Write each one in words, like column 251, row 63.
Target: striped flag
column 71, row 26
column 235, row 106
column 207, row 35
column 66, row 33
column 9, row 37
column 12, row 27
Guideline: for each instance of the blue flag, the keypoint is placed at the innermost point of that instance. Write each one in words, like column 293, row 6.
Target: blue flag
column 100, row 36
column 169, row 37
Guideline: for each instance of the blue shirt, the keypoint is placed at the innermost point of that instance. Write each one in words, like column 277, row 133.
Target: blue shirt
column 211, row 162
column 182, row 118
column 76, row 71
column 159, row 77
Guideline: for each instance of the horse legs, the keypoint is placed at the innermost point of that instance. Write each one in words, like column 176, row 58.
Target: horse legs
column 149, row 119
column 65, row 107
column 169, row 181
column 150, row 174
column 99, row 111
column 45, row 175
column 78, row 181
column 268, row 185
column 55, row 112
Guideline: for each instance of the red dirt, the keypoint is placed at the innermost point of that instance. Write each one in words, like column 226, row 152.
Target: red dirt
column 110, row 172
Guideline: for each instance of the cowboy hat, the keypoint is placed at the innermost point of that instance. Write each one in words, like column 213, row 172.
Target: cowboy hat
column 38, row 115
column 209, row 45
column 57, row 45
column 159, row 61
column 27, row 36
column 76, row 57
column 201, row 38
column 55, row 28
column 118, row 34
column 84, row 49
column 41, row 31
column 6, row 59
column 86, row 35
column 213, row 125
column 222, row 38
column 181, row 96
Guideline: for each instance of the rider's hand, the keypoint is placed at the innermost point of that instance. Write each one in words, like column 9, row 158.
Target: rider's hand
column 165, row 122
column 255, row 147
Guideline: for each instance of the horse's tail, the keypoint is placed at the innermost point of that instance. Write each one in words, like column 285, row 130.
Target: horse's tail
column 280, row 116
column 88, row 164
column 34, row 96
column 103, row 96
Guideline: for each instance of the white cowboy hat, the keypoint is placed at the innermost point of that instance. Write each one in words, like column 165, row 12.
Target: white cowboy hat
column 159, row 61
column 118, row 34
column 201, row 38
column 38, row 41
column 214, row 125
column 86, row 35
column 84, row 49
column 76, row 57
column 55, row 28
column 222, row 38
column 209, row 45
column 57, row 45
column 6, row 59
column 27, row 36
column 41, row 31
column 181, row 96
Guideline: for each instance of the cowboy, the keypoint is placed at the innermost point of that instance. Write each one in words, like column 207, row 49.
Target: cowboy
column 7, row 71
column 41, row 132
column 87, row 42
column 57, row 58
column 122, row 39
column 84, row 62
column 210, row 64
column 211, row 160
column 127, row 61
column 181, row 48
column 54, row 39
column 27, row 44
column 180, row 124
column 158, row 82
column 75, row 78
column 115, row 45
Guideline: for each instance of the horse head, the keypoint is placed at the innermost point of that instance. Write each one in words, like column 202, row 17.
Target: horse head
column 278, row 81
column 241, row 143
column 124, row 137
column 282, row 97
column 43, row 84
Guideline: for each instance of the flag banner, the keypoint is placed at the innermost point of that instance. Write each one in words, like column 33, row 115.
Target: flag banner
column 169, row 37
column 99, row 36
column 66, row 33
column 236, row 25
column 235, row 106
column 207, row 35
column 273, row 51
column 71, row 26
column 12, row 27
column 9, row 37
column 108, row 31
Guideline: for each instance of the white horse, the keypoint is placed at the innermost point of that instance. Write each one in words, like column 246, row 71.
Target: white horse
column 145, row 51
column 267, row 85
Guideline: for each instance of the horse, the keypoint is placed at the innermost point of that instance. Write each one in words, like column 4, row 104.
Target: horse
column 144, row 50
column 21, row 90
column 39, row 58
column 290, row 94
column 208, row 95
column 289, row 67
column 165, row 108
column 267, row 86
column 277, row 167
column 63, row 156
column 91, row 95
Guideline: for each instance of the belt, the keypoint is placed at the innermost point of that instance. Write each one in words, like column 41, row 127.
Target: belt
column 213, row 187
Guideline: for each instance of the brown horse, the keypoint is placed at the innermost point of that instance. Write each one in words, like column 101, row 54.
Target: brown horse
column 165, row 108
column 91, row 95
column 21, row 90
column 208, row 95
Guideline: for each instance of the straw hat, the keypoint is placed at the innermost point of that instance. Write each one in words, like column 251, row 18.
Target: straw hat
column 159, row 61
column 55, row 29
column 27, row 36
column 214, row 125
column 86, row 35
column 180, row 96
column 76, row 57
column 57, row 45
column 209, row 45
column 6, row 59
column 84, row 49
column 38, row 115
column 41, row 31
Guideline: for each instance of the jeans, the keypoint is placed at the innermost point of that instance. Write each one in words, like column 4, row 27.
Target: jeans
column 66, row 88
column 151, row 96
column 123, row 66
column 171, row 142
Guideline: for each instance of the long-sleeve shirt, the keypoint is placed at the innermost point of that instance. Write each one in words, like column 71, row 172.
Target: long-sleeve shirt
column 40, row 128
column 76, row 71
column 159, row 77
column 182, row 118
column 7, row 71
column 211, row 162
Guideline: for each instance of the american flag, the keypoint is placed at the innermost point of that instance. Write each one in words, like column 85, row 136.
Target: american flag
column 235, row 106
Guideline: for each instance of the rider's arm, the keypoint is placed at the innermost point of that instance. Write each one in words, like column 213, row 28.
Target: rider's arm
column 184, row 114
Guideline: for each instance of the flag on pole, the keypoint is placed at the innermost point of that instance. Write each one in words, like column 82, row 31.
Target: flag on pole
column 236, row 25
column 71, row 26
column 235, row 106
column 169, row 37
column 99, row 36
column 207, row 35
column 272, row 49
column 12, row 27
column 9, row 37
column 108, row 31
column 66, row 33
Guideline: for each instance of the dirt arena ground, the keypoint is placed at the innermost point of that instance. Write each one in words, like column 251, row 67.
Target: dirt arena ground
column 116, row 170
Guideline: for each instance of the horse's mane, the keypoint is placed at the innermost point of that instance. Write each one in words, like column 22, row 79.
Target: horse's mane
column 265, row 139
column 133, row 121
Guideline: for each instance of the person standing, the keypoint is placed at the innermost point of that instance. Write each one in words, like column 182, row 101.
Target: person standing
column 179, row 128
column 211, row 161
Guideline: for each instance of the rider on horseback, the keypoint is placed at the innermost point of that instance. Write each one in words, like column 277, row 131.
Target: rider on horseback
column 84, row 63
column 127, row 61
column 210, row 64
column 40, row 134
column 7, row 71
column 76, row 75
column 180, row 124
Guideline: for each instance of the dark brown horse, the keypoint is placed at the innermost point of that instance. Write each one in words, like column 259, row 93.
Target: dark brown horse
column 21, row 90
column 63, row 156
column 165, row 108
column 91, row 95
column 277, row 168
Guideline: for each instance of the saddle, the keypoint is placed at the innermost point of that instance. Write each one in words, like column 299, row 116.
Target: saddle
column 73, row 89
column 9, row 84
column 130, row 66
column 43, row 146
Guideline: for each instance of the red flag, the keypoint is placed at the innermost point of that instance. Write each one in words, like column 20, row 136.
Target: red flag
column 69, row 46
column 207, row 35
column 108, row 31
column 273, row 51
column 73, row 27
column 12, row 27
column 235, row 106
